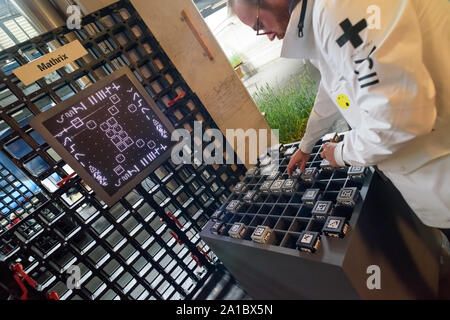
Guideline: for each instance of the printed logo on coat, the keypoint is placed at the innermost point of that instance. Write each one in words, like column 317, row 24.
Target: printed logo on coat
column 351, row 33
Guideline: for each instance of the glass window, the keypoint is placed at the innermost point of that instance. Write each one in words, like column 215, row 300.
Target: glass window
column 14, row 27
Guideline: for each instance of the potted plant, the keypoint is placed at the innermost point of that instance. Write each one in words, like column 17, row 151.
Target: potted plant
column 236, row 62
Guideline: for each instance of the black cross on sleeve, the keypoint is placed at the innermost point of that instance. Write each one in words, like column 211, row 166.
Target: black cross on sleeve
column 351, row 33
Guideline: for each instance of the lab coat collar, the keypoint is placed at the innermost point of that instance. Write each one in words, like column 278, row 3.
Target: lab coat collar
column 293, row 46
column 292, row 5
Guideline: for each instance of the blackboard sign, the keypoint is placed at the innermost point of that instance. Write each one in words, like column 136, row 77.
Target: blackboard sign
column 112, row 134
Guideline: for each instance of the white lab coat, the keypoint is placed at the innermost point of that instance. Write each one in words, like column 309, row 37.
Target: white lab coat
column 390, row 82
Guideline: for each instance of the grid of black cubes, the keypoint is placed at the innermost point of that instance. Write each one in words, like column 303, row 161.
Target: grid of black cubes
column 285, row 213
column 128, row 251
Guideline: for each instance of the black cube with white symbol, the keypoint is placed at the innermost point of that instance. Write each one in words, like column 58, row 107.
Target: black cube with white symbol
column 220, row 216
column 273, row 176
column 251, row 196
column 234, row 206
column 277, row 186
column 265, row 161
column 263, row 234
column 309, row 175
column 252, row 172
column 357, row 173
column 326, row 166
column 348, row 197
column 218, row 228
column 238, row 230
column 276, row 149
column 240, row 187
column 289, row 152
column 308, row 241
column 322, row 209
column 311, row 196
column 290, row 186
column 335, row 227
column 267, row 170
column 265, row 187
column 296, row 174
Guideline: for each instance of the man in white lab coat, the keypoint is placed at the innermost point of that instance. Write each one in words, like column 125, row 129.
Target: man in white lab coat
column 385, row 68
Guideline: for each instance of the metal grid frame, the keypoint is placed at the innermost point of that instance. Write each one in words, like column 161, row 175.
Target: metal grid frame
column 134, row 250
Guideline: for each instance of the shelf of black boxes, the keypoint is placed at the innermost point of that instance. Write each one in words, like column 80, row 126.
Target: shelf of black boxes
column 308, row 236
column 147, row 246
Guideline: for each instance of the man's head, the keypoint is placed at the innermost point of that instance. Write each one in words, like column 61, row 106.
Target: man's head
column 273, row 15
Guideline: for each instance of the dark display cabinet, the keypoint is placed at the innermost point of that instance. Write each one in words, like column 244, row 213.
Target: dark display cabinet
column 324, row 234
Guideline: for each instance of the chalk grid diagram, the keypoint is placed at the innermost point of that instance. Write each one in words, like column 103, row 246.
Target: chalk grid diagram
column 113, row 133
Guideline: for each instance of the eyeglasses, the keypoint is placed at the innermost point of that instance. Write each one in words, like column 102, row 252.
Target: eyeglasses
column 259, row 27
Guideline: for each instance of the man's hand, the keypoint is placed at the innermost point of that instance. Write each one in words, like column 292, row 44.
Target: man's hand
column 328, row 153
column 298, row 160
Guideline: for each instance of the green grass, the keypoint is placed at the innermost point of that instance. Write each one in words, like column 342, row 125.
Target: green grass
column 287, row 108
column 235, row 60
